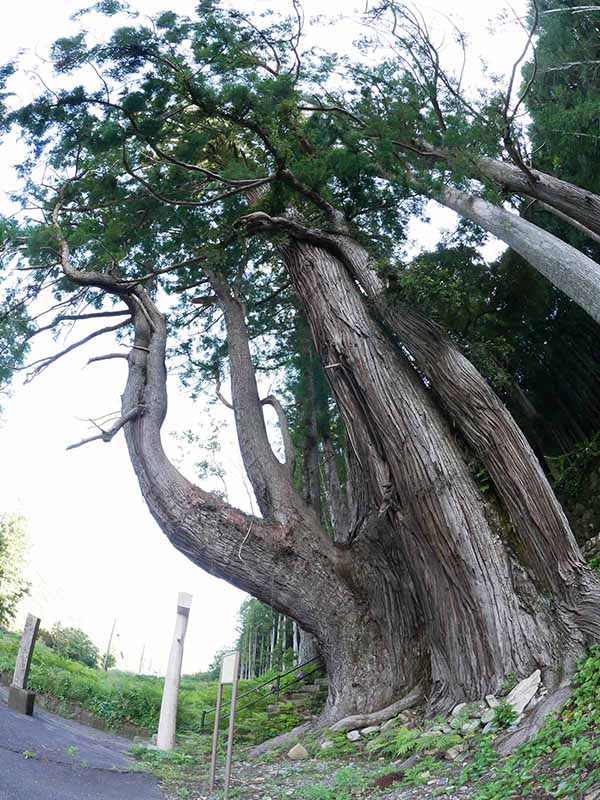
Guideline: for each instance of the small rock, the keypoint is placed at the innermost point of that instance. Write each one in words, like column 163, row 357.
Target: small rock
column 453, row 752
column 353, row 736
column 408, row 762
column 492, row 701
column 389, row 724
column 489, row 728
column 327, row 744
column 298, row 753
column 524, row 691
column 488, row 716
column 457, row 709
column 471, row 726
column 371, row 729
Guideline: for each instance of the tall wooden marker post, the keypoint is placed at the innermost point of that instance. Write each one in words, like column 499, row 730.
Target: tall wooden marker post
column 230, row 671
column 167, row 723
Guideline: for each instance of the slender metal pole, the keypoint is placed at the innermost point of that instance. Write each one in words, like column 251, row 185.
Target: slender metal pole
column 142, row 660
column 213, row 758
column 236, row 671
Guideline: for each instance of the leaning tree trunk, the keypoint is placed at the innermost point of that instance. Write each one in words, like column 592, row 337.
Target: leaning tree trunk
column 540, row 538
column 576, row 204
column 574, row 273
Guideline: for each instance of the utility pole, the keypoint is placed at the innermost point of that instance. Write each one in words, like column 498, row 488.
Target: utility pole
column 142, row 659
column 110, row 638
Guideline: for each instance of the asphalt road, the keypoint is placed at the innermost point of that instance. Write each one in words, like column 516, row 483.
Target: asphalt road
column 46, row 757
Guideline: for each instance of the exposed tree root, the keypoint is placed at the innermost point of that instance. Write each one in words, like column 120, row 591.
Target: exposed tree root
column 364, row 720
column 346, row 724
column 284, row 739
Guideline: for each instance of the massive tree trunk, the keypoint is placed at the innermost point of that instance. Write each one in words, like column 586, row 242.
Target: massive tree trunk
column 468, row 569
column 421, row 587
column 357, row 614
column 479, row 624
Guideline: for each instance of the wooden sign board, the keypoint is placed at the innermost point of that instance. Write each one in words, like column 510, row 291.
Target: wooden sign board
column 228, row 668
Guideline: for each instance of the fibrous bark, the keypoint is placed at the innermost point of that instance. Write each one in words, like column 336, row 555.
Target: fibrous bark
column 476, row 627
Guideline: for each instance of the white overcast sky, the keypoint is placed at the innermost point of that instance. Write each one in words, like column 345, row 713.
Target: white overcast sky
column 96, row 553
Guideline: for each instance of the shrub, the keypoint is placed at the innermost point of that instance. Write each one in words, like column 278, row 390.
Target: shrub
column 72, row 643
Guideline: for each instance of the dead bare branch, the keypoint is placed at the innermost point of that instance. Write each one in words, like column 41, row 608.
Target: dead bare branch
column 108, row 435
column 106, row 357
column 43, row 363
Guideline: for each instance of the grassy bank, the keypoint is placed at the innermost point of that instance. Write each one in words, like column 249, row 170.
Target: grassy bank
column 119, row 699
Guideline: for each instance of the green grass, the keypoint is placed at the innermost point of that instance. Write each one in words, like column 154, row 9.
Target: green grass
column 120, row 698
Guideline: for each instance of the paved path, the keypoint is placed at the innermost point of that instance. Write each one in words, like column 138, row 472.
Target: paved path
column 46, row 757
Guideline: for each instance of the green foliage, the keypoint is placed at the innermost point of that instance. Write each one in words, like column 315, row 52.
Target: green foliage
column 505, row 715
column 509, row 683
column 562, row 760
column 572, row 466
column 422, row 772
column 72, row 643
column 13, row 552
column 399, row 743
column 348, row 782
column 342, row 748
column 396, row 743
column 563, row 101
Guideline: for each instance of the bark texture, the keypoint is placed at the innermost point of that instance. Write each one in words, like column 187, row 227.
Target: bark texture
column 292, row 565
column 476, row 627
column 574, row 202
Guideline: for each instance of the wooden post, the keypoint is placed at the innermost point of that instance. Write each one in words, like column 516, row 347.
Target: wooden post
column 167, row 724
column 215, row 746
column 236, row 671
column 19, row 698
column 230, row 670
